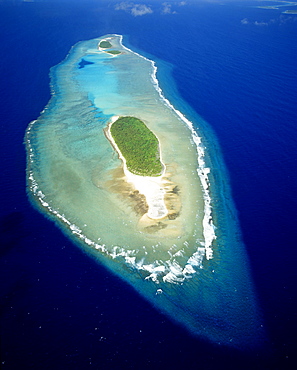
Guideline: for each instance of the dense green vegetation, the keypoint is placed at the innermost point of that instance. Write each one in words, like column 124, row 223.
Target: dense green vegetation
column 114, row 52
column 105, row 44
column 138, row 145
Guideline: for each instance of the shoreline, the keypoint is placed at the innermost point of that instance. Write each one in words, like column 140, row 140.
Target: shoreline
column 152, row 187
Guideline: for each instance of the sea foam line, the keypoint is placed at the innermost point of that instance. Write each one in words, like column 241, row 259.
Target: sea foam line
column 202, row 170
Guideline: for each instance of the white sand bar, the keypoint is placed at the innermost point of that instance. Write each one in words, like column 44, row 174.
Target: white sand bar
column 153, row 188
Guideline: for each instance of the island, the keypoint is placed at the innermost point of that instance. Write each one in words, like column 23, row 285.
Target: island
column 139, row 149
column 141, row 187
column 138, row 145
column 105, row 44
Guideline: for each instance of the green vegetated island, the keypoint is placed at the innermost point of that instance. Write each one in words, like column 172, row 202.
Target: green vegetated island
column 138, row 145
column 107, row 45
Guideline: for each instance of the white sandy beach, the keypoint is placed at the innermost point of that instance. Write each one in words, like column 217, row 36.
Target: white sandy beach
column 153, row 188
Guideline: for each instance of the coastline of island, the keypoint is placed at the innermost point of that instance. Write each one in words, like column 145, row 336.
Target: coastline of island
column 152, row 187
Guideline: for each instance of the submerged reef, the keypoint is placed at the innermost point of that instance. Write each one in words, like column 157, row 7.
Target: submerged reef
column 173, row 236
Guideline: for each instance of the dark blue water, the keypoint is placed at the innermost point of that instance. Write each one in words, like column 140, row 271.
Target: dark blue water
column 59, row 309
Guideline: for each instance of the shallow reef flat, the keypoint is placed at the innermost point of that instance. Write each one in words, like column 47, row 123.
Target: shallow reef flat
column 189, row 263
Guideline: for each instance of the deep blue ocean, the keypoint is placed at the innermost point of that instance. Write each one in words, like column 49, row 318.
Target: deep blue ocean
column 235, row 66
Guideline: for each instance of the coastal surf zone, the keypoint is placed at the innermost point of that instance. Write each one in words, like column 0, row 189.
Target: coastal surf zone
column 125, row 175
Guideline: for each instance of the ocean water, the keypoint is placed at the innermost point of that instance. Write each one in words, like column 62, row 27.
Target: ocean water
column 233, row 66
